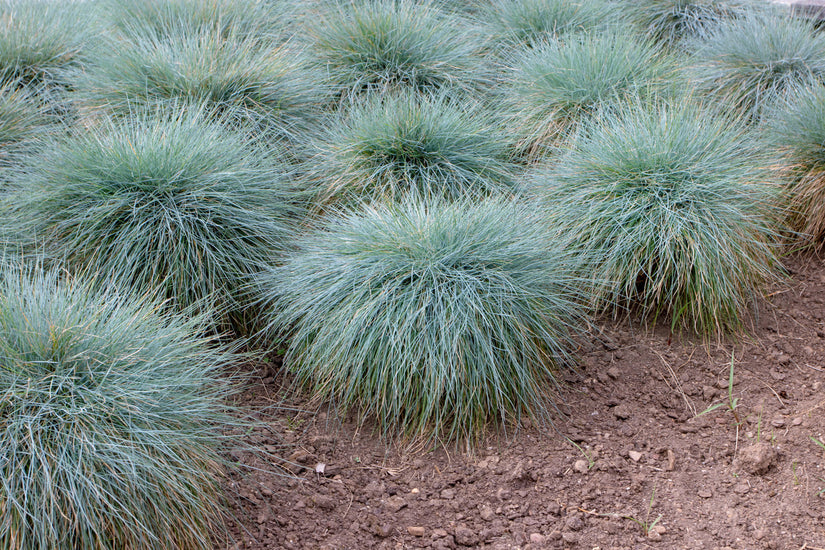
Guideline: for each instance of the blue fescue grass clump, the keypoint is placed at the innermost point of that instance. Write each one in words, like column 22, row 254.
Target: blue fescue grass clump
column 268, row 87
column 752, row 61
column 796, row 127
column 536, row 22
column 433, row 319
column 552, row 87
column 677, row 208
column 23, row 121
column 41, row 40
column 406, row 144
column 383, row 45
column 247, row 18
column 674, row 22
column 110, row 421
column 159, row 202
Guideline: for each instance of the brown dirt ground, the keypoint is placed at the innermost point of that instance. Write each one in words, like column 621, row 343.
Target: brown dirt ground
column 643, row 454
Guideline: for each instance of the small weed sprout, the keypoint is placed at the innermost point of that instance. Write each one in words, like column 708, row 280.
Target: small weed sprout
column 647, row 525
column 731, row 404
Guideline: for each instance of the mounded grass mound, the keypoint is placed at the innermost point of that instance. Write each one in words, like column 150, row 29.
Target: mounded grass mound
column 673, row 22
column 535, row 22
column 165, row 203
column 246, row 18
column 431, row 319
column 552, row 87
column 677, row 208
column 752, row 61
column 387, row 148
column 41, row 40
column 243, row 81
column 384, row 45
column 797, row 128
column 110, row 421
column 22, row 121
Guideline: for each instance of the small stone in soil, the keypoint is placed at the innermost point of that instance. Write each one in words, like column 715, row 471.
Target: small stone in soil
column 537, row 538
column 622, row 412
column 757, row 459
column 465, row 536
column 581, row 466
column 635, row 456
column 416, row 530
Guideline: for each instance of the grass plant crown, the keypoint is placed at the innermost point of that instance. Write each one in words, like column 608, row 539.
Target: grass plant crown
column 382, row 45
column 679, row 208
column 552, row 87
column 432, row 318
column 161, row 201
column 751, row 61
column 409, row 144
column 110, row 418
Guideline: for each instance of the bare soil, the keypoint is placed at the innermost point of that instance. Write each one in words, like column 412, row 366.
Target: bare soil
column 632, row 466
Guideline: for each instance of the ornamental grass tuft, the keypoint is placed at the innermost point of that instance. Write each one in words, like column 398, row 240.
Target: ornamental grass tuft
column 755, row 60
column 552, row 87
column 245, row 82
column 432, row 319
column 246, row 18
column 796, row 127
column 110, row 421
column 159, row 202
column 673, row 22
column 535, row 22
column 40, row 40
column 384, row 45
column 22, row 121
column 406, row 144
column 677, row 207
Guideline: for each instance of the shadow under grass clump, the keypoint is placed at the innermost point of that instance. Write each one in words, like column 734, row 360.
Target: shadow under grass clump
column 110, row 421
column 391, row 147
column 246, row 83
column 752, row 61
column 161, row 202
column 536, row 22
column 433, row 319
column 796, row 127
column 677, row 209
column 385, row 45
column 553, row 87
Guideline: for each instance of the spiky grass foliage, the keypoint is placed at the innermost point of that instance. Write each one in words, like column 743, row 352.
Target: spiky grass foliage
column 552, row 87
column 677, row 208
column 751, row 61
column 797, row 128
column 236, row 77
column 671, row 22
column 168, row 203
column 534, row 22
column 22, row 121
column 110, row 421
column 40, row 40
column 383, row 45
column 247, row 18
column 392, row 147
column 432, row 319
